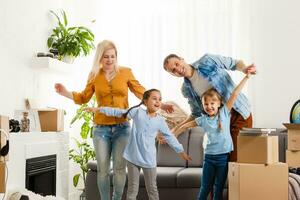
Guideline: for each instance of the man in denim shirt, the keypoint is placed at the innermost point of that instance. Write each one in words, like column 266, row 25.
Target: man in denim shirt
column 207, row 72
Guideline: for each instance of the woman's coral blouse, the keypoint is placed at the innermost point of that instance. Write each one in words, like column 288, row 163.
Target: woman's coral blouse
column 112, row 94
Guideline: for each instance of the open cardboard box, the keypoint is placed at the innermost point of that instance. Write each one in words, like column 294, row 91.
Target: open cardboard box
column 51, row 119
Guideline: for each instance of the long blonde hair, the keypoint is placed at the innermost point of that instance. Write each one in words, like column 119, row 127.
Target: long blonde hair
column 101, row 48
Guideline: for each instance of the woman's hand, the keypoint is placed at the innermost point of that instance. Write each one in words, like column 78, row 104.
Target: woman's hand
column 184, row 156
column 61, row 89
column 91, row 109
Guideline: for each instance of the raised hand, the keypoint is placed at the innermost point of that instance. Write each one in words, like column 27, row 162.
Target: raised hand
column 250, row 69
column 61, row 89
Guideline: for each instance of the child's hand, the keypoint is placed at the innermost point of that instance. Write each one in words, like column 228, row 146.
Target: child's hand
column 184, row 156
column 161, row 139
column 248, row 75
column 91, row 109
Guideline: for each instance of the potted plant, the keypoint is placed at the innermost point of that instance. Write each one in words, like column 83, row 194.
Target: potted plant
column 70, row 41
column 84, row 151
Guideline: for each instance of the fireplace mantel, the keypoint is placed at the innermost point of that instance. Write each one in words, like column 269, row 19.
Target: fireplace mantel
column 35, row 144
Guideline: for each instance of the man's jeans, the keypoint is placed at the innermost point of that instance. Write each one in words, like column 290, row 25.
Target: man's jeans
column 110, row 141
column 215, row 169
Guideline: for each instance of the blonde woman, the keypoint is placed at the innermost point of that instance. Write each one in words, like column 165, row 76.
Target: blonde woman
column 110, row 83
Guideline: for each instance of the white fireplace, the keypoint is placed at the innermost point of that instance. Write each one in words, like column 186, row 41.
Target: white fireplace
column 33, row 145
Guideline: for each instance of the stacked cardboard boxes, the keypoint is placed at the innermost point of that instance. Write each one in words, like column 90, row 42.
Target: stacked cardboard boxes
column 257, row 174
column 293, row 151
column 4, row 125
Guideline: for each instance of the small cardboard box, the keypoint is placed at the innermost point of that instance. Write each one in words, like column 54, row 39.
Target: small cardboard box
column 2, row 177
column 293, row 136
column 293, row 158
column 258, row 181
column 51, row 119
column 4, row 124
column 260, row 149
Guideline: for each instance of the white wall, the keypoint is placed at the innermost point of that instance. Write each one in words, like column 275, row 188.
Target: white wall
column 24, row 29
column 275, row 47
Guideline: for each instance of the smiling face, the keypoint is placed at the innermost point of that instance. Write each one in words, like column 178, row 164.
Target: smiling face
column 153, row 103
column 211, row 104
column 109, row 60
column 176, row 67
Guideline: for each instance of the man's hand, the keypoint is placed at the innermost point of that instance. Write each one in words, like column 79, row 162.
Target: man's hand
column 167, row 107
column 250, row 69
column 184, row 156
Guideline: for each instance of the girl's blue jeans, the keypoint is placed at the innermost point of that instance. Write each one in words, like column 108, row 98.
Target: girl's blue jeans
column 109, row 143
column 214, row 175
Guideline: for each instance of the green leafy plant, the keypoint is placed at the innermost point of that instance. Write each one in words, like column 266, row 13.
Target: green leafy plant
column 81, row 156
column 70, row 41
column 84, row 152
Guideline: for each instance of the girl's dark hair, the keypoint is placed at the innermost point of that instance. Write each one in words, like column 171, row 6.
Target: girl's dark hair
column 166, row 60
column 214, row 93
column 146, row 96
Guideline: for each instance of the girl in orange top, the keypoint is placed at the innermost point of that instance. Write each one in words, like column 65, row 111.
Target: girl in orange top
column 110, row 83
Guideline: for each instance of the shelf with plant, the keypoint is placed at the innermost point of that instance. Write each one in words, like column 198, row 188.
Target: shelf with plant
column 70, row 41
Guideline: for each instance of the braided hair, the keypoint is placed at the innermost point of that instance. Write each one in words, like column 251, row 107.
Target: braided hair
column 146, row 96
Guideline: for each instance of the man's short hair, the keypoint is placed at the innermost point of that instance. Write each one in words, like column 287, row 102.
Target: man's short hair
column 166, row 60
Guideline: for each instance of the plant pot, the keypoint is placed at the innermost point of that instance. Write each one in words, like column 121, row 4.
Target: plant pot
column 68, row 59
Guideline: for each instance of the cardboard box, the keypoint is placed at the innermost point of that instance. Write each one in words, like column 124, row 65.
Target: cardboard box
column 2, row 177
column 51, row 119
column 260, row 149
column 258, row 181
column 293, row 136
column 293, row 158
column 4, row 124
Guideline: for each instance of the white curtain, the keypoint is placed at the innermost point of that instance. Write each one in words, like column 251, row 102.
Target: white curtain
column 147, row 31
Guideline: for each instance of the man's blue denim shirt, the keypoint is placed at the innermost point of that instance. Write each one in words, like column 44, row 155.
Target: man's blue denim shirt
column 213, row 69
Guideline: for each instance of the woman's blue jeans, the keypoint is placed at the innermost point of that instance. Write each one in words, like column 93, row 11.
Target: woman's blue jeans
column 214, row 175
column 109, row 142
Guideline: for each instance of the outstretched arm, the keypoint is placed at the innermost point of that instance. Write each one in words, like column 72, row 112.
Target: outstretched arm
column 184, row 127
column 188, row 119
column 62, row 90
column 108, row 111
column 173, row 142
column 236, row 92
column 161, row 139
